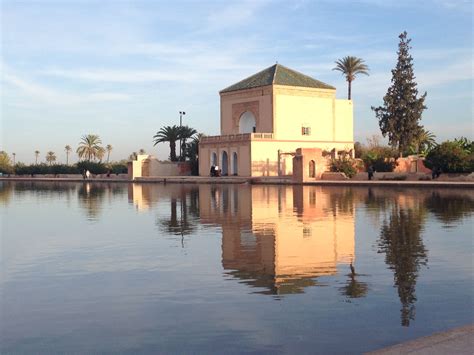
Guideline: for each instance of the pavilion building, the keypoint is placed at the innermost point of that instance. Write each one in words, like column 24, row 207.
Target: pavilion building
column 266, row 117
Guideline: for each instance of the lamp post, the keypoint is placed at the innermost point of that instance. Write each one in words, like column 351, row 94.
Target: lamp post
column 181, row 114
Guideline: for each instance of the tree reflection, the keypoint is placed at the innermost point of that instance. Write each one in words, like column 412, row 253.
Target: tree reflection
column 450, row 208
column 353, row 287
column 91, row 197
column 6, row 191
column 180, row 224
column 400, row 240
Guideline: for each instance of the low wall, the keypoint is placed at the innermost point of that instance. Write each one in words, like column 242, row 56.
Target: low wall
column 411, row 164
column 148, row 166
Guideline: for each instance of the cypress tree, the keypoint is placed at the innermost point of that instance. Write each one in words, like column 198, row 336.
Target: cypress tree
column 402, row 108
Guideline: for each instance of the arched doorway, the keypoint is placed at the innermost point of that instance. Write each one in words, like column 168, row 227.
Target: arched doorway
column 247, row 122
column 312, row 169
column 234, row 164
column 213, row 159
column 225, row 164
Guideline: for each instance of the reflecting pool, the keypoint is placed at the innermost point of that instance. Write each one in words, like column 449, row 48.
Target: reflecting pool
column 148, row 268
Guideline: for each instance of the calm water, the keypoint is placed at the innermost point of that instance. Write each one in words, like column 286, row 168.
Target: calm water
column 230, row 269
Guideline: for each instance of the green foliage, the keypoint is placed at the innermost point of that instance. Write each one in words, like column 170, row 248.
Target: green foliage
column 381, row 158
column 118, row 168
column 402, row 108
column 172, row 134
column 45, row 169
column 350, row 67
column 343, row 164
column 452, row 157
column 93, row 167
column 90, row 148
column 5, row 163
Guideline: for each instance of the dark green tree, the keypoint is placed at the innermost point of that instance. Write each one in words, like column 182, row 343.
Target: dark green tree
column 400, row 114
column 185, row 133
column 169, row 134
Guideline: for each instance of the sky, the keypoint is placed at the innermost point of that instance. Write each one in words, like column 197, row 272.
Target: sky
column 123, row 69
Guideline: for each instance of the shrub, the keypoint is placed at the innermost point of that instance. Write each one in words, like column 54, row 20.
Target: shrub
column 343, row 164
column 451, row 157
column 118, row 168
column 93, row 167
column 382, row 159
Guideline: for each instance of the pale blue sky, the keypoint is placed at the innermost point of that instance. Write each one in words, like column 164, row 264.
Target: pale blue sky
column 123, row 69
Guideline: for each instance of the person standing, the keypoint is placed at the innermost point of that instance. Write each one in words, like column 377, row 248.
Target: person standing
column 370, row 172
column 88, row 174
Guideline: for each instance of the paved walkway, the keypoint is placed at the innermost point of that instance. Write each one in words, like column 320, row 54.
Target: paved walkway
column 457, row 341
column 253, row 180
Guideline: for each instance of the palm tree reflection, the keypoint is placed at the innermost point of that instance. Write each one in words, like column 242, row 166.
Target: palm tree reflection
column 353, row 287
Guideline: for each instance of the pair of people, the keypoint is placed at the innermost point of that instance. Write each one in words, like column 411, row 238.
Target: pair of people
column 215, row 171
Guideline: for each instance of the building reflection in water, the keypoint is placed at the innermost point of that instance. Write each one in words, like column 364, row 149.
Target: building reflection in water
column 279, row 239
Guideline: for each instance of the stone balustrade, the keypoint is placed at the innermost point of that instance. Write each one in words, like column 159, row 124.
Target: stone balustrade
column 236, row 137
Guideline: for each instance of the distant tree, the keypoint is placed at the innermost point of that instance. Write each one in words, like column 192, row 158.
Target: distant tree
column 50, row 157
column 169, row 134
column 133, row 156
column 37, row 153
column 14, row 158
column 141, row 151
column 350, row 67
column 5, row 163
column 68, row 150
column 401, row 112
column 108, row 148
column 90, row 148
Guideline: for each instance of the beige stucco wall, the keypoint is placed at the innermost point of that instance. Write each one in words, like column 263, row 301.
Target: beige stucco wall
column 258, row 101
column 303, row 107
column 344, row 121
column 265, row 154
column 242, row 149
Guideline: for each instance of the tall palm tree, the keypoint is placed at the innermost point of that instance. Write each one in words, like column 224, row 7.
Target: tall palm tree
column 350, row 67
column 89, row 147
column 68, row 149
column 185, row 133
column 50, row 157
column 168, row 134
column 108, row 148
column 37, row 153
column 14, row 158
column 141, row 151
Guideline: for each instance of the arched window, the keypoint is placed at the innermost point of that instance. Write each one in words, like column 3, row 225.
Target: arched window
column 312, row 169
column 247, row 122
column 225, row 164
column 234, row 164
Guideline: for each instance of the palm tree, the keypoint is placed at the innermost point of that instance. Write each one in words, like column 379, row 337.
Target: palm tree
column 350, row 67
column 185, row 133
column 141, row 151
column 37, row 153
column 168, row 134
column 192, row 148
column 68, row 149
column 50, row 157
column 89, row 147
column 14, row 158
column 108, row 148
column 425, row 141
column 133, row 156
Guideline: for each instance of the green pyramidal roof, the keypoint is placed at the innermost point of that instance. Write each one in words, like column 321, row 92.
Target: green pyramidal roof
column 279, row 75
